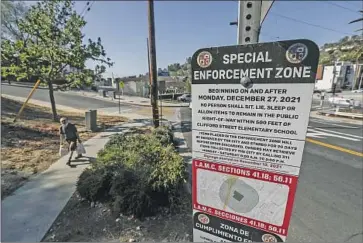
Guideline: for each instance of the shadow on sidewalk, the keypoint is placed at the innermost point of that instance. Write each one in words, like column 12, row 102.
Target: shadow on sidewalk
column 85, row 160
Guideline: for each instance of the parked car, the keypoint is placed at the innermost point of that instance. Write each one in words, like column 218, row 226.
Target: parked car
column 340, row 101
column 357, row 91
column 185, row 98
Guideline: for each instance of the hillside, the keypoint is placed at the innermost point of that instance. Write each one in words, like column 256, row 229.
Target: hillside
column 348, row 48
column 177, row 69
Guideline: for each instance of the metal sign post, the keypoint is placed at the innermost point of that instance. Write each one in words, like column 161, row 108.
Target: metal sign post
column 119, row 103
column 161, row 109
column 251, row 106
column 120, row 86
column 251, row 15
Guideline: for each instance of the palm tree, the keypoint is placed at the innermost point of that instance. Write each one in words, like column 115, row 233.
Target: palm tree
column 359, row 53
column 358, row 20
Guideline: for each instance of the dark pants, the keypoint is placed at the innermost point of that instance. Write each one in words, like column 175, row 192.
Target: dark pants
column 72, row 143
column 73, row 146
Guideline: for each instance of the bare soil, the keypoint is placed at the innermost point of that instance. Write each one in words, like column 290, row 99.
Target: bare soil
column 31, row 144
column 81, row 221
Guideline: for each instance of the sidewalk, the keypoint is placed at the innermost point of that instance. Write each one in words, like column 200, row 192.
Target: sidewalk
column 133, row 100
column 341, row 114
column 315, row 114
column 31, row 210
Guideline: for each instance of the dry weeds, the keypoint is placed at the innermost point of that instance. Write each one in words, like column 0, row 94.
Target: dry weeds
column 30, row 145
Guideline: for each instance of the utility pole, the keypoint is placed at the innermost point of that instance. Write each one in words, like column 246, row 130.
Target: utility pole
column 153, row 67
column 148, row 63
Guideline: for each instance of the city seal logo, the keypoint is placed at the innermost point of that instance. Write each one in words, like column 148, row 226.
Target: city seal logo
column 297, row 53
column 269, row 238
column 204, row 59
column 203, row 219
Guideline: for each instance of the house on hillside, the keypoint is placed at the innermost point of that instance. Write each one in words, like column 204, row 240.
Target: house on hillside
column 342, row 73
column 139, row 86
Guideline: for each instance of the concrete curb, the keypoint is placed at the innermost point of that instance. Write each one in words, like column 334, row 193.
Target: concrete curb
column 342, row 114
column 183, row 148
column 314, row 114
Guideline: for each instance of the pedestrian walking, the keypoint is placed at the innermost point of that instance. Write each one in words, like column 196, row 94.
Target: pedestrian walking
column 68, row 132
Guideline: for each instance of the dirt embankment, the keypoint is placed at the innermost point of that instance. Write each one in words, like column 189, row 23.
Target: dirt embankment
column 31, row 144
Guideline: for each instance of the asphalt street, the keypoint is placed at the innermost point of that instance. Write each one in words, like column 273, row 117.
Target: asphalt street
column 66, row 99
column 328, row 204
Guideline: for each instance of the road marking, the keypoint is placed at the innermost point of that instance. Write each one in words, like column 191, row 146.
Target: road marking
column 345, row 134
column 330, row 123
column 314, row 133
column 334, row 147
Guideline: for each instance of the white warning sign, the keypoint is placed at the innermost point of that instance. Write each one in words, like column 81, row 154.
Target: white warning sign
column 251, row 107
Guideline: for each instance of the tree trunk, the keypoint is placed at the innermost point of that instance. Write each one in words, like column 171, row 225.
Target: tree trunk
column 52, row 101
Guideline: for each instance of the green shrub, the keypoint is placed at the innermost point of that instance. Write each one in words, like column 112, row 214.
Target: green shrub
column 136, row 173
column 131, row 194
column 164, row 134
column 94, row 183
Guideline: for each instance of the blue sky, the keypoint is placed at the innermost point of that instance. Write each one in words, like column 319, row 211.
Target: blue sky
column 182, row 27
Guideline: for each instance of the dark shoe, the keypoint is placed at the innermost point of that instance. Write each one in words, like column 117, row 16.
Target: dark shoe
column 79, row 156
column 68, row 163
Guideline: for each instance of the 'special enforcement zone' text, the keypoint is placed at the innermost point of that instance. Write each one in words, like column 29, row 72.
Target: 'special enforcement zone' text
column 278, row 72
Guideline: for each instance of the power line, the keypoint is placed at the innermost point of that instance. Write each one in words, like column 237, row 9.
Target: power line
column 339, row 6
column 352, row 4
column 87, row 8
column 84, row 9
column 314, row 25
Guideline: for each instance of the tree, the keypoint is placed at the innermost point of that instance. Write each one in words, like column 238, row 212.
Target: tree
column 359, row 53
column 344, row 39
column 54, row 44
column 358, row 20
column 11, row 13
column 188, row 86
column 174, row 67
column 189, row 60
